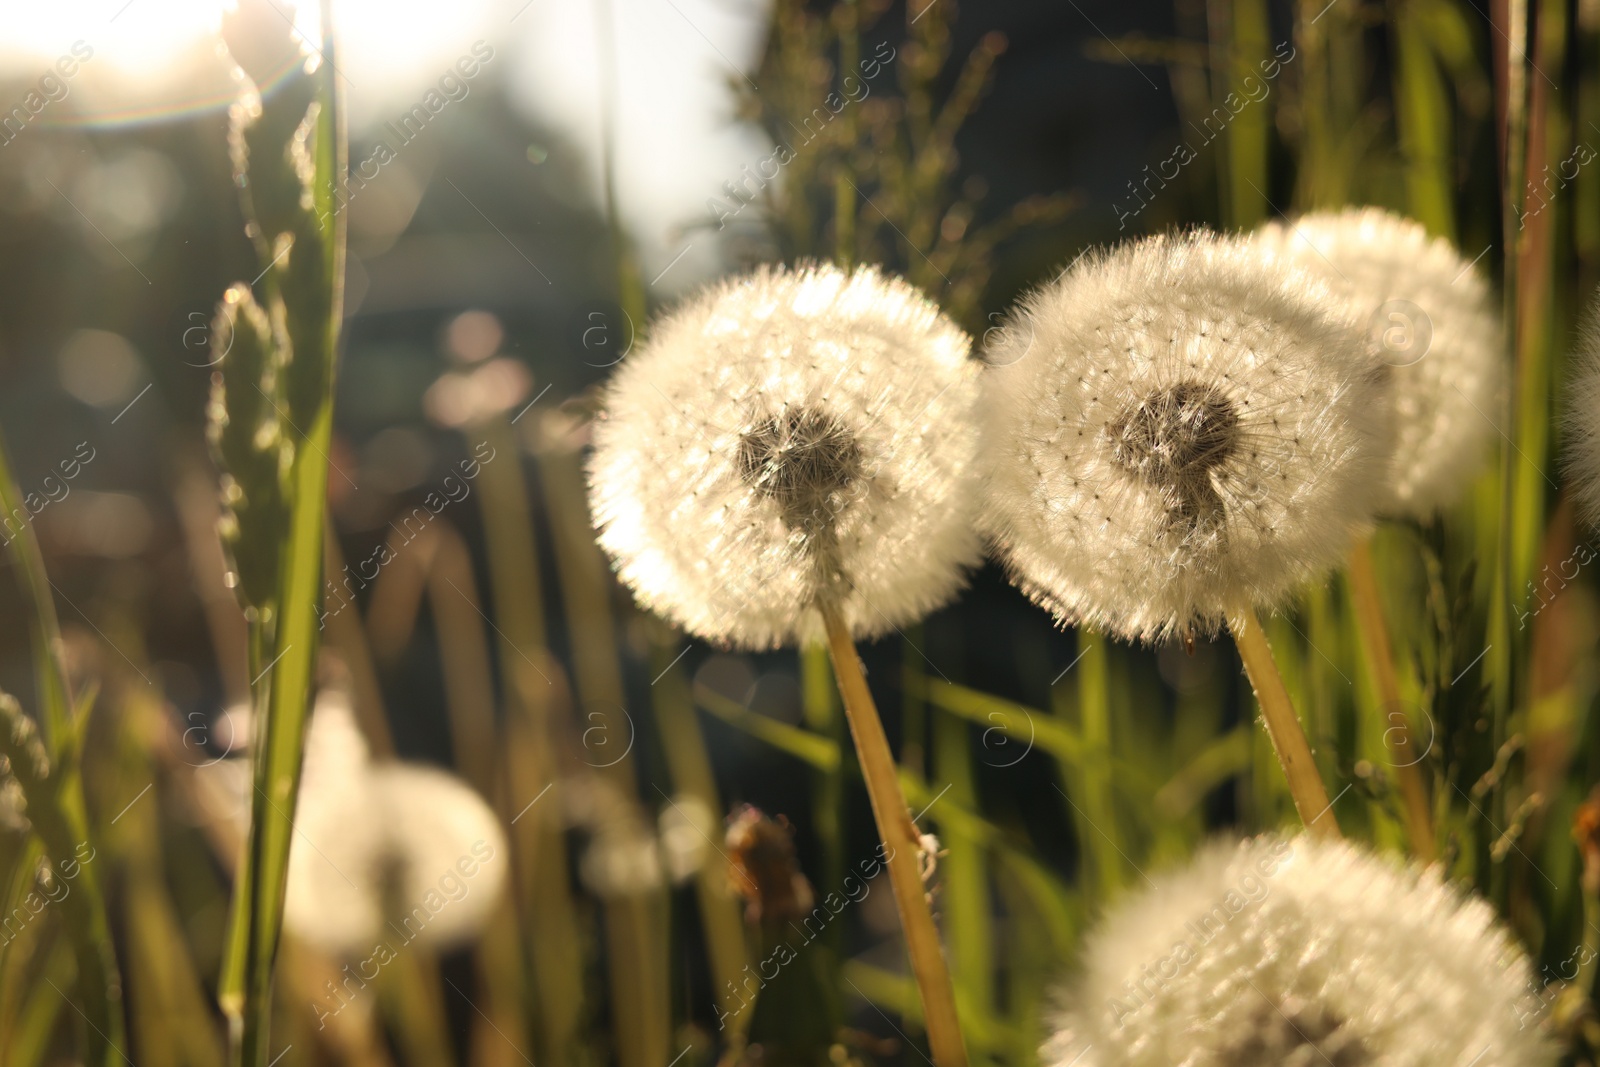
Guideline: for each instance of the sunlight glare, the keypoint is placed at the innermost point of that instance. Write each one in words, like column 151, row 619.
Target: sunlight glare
column 383, row 40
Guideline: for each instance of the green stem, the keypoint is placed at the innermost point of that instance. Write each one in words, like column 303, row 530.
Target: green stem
column 630, row 283
column 690, row 767
column 236, row 951
column 964, row 874
column 550, row 923
column 820, row 707
column 56, row 810
column 1094, row 713
column 313, row 287
column 844, row 192
column 50, row 675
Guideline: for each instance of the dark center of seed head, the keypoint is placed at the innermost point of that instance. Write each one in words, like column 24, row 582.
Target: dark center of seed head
column 1174, row 437
column 1293, row 1033
column 802, row 460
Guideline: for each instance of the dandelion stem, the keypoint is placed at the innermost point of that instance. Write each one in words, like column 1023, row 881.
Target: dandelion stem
column 1397, row 733
column 1283, row 726
column 900, row 834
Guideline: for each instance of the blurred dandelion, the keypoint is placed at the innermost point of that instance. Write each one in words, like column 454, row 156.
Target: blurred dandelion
column 623, row 860
column 685, row 827
column 1301, row 952
column 623, row 856
column 1428, row 315
column 381, row 849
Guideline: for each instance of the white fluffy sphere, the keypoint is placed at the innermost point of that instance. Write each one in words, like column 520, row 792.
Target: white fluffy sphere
column 1175, row 433
column 339, row 838
column 1427, row 314
column 383, row 851
column 450, row 860
column 1301, row 952
column 787, row 437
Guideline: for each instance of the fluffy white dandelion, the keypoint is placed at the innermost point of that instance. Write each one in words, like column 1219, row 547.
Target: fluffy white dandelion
column 1428, row 315
column 794, row 455
column 1583, row 420
column 1176, row 431
column 685, row 829
column 445, row 859
column 1428, row 318
column 382, row 851
column 790, row 437
column 331, row 899
column 622, row 861
column 1303, row 953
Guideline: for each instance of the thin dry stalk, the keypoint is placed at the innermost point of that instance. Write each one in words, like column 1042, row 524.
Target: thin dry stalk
column 1283, row 725
column 1397, row 734
column 928, row 964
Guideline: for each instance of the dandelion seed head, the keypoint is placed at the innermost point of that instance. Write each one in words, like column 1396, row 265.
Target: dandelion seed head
column 448, row 852
column 383, row 850
column 331, row 900
column 1172, row 431
column 1301, row 952
column 622, row 860
column 685, row 828
column 786, row 437
column 1429, row 317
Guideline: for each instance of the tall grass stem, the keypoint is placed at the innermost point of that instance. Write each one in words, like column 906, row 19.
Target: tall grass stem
column 1283, row 725
column 900, row 834
column 1376, row 639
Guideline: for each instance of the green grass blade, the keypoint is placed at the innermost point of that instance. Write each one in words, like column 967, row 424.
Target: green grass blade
column 968, row 911
column 690, row 767
column 14, row 964
column 1226, row 757
column 824, row 718
column 23, row 547
column 56, row 810
column 1100, row 837
column 1247, row 182
column 819, row 752
column 30, row 1039
column 896, row 994
column 54, row 790
column 1422, row 113
column 316, row 315
column 1015, row 721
